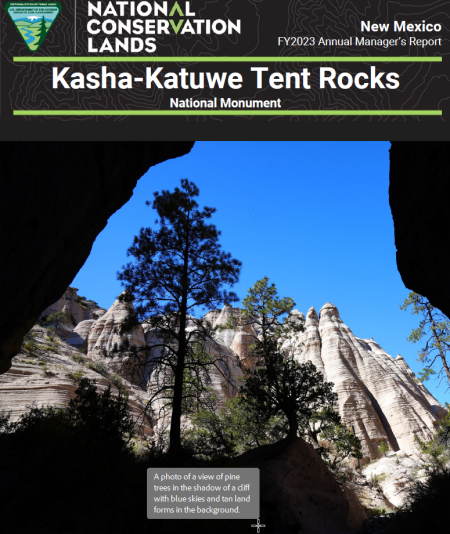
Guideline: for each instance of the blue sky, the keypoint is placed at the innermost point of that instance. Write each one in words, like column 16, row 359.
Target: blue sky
column 313, row 217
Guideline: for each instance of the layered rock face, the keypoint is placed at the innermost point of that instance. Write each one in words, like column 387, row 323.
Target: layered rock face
column 104, row 335
column 65, row 193
column 377, row 394
column 48, row 375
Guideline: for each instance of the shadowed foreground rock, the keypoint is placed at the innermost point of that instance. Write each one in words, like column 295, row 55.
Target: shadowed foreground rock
column 419, row 191
column 55, row 198
column 299, row 493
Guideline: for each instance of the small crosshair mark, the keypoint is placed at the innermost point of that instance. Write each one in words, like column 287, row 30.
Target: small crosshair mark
column 258, row 526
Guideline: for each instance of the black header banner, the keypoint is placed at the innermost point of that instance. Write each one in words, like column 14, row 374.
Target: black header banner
column 240, row 60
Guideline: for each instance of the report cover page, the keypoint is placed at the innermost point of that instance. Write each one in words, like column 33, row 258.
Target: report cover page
column 253, row 60
column 224, row 337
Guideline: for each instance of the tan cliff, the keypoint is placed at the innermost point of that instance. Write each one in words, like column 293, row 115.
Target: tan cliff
column 377, row 393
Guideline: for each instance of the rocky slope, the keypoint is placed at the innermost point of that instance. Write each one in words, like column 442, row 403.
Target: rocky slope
column 47, row 372
column 377, row 394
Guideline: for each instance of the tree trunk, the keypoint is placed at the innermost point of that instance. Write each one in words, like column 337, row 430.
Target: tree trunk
column 293, row 425
column 175, row 424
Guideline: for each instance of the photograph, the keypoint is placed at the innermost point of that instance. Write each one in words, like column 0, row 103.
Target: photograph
column 224, row 336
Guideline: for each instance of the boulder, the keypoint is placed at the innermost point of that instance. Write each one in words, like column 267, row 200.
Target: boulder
column 299, row 493
column 394, row 474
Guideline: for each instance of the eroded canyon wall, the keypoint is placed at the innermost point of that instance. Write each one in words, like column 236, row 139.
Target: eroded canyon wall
column 377, row 393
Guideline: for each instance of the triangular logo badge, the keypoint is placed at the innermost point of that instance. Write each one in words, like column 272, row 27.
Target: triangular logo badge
column 33, row 20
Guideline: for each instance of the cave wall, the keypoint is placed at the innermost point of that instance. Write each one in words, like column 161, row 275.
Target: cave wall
column 419, row 195
column 55, row 198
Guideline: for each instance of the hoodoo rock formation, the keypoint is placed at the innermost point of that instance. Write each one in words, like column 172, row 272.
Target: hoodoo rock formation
column 105, row 335
column 75, row 307
column 64, row 193
column 377, row 394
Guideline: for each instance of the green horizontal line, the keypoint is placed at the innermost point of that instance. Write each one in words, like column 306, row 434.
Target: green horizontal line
column 114, row 112
column 203, row 59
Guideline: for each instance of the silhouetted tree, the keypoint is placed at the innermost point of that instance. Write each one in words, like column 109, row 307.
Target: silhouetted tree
column 279, row 384
column 264, row 309
column 434, row 331
column 177, row 268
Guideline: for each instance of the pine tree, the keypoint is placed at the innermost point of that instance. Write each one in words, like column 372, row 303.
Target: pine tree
column 279, row 385
column 434, row 331
column 178, row 268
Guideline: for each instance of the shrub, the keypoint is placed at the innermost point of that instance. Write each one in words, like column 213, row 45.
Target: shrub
column 99, row 368
column 5, row 424
column 375, row 480
column 77, row 358
column 29, row 343
column 78, row 374
column 383, row 448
